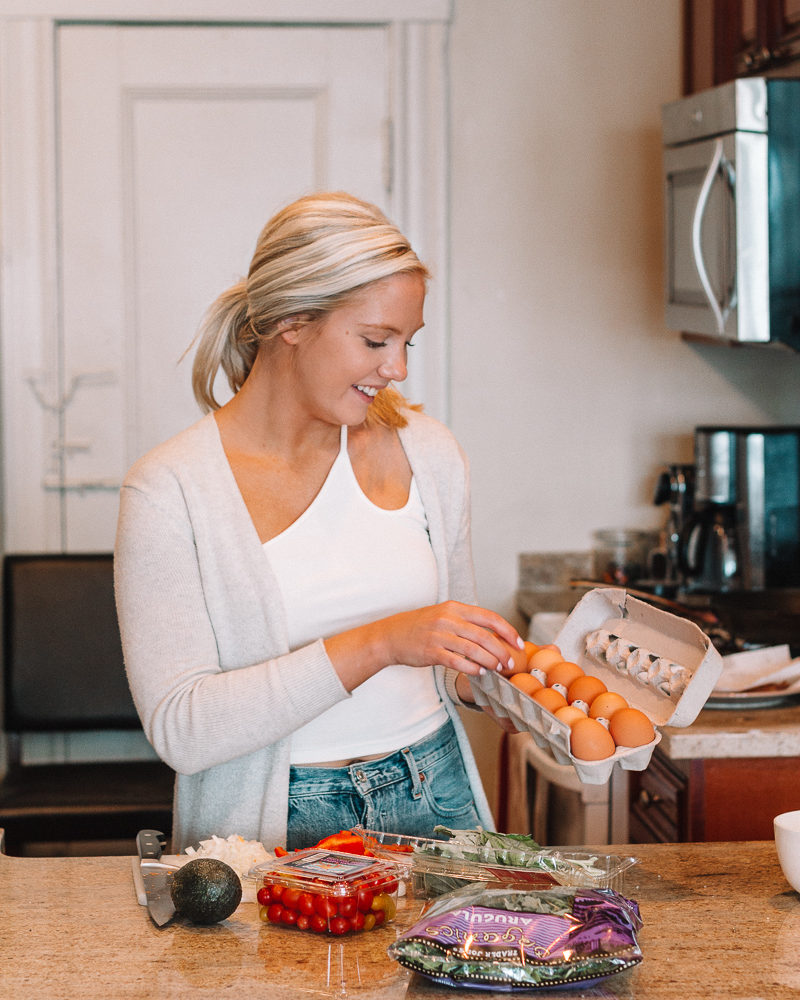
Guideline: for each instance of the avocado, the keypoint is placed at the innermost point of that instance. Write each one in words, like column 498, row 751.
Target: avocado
column 206, row 890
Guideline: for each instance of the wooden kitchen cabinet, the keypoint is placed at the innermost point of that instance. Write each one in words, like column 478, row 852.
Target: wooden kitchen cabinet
column 713, row 799
column 724, row 39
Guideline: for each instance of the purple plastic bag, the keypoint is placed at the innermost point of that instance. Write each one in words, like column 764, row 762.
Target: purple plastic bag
column 505, row 939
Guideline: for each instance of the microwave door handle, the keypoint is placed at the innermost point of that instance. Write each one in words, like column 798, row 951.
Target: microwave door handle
column 697, row 227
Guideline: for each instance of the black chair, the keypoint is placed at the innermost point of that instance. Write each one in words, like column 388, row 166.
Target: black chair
column 63, row 673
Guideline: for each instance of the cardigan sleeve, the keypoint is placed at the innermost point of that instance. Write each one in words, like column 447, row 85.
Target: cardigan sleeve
column 198, row 709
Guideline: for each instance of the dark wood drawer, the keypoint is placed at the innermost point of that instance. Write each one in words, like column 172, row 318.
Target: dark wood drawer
column 657, row 803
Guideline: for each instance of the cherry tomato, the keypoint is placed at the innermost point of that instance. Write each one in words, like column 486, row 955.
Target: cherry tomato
column 275, row 892
column 369, row 921
column 319, row 924
column 290, row 897
column 289, row 917
column 358, row 920
column 263, row 913
column 325, row 906
column 274, row 913
column 364, row 900
column 379, row 917
column 346, row 907
column 303, row 922
column 340, row 925
column 305, row 904
column 263, row 896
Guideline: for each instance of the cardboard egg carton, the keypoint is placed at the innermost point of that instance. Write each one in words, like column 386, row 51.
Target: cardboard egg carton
column 660, row 663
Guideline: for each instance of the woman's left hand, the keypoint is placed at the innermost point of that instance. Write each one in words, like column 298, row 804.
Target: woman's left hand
column 464, row 691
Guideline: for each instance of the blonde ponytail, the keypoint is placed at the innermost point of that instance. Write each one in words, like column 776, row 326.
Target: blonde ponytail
column 225, row 340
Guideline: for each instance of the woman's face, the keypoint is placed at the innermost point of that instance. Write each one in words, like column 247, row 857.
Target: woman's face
column 342, row 360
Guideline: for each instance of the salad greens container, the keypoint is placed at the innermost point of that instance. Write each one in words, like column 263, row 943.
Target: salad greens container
column 461, row 857
column 497, row 938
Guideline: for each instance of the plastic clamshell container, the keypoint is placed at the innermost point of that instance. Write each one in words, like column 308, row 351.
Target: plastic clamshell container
column 432, row 867
column 346, row 893
column 639, row 633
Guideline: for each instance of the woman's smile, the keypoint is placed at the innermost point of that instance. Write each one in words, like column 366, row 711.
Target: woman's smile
column 368, row 390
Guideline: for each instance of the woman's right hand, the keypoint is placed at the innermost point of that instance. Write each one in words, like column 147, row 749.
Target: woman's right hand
column 462, row 636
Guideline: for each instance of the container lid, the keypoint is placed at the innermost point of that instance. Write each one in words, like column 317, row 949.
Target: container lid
column 328, row 873
column 461, row 857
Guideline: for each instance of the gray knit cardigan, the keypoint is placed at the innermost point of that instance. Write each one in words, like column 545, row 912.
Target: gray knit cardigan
column 204, row 634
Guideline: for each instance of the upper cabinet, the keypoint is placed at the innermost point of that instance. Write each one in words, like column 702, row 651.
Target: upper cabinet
column 730, row 38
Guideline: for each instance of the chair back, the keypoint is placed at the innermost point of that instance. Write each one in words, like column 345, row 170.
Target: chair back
column 62, row 656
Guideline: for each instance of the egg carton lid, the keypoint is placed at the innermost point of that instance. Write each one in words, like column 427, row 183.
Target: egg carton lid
column 660, row 632
column 640, row 625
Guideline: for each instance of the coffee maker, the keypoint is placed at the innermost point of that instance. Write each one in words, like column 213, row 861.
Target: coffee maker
column 744, row 532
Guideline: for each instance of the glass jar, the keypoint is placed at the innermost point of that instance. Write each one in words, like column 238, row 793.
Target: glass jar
column 620, row 555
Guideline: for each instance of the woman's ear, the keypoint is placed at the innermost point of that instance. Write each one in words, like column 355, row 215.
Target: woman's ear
column 290, row 328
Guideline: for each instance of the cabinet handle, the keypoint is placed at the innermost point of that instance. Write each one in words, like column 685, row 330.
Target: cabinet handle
column 758, row 58
column 647, row 799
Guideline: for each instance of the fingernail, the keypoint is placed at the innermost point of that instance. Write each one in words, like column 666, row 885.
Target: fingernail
column 499, row 666
column 520, row 642
column 510, row 664
column 481, row 671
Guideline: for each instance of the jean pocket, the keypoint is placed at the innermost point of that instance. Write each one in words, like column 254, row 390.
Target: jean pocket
column 446, row 788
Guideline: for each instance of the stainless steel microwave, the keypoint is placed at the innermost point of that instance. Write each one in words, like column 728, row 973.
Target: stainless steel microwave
column 732, row 212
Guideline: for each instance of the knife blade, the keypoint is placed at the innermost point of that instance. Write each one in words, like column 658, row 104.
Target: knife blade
column 156, row 876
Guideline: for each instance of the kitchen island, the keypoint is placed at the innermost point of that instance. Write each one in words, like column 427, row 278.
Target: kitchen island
column 720, row 920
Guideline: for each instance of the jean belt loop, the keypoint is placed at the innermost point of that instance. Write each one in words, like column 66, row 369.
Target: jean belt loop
column 416, row 776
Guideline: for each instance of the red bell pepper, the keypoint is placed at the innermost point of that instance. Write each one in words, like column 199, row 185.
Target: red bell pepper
column 344, row 841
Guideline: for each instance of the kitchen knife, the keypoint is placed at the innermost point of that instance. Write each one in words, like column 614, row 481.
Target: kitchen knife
column 156, row 877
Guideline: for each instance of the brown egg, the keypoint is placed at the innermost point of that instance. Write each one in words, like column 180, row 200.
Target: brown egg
column 569, row 714
column 606, row 704
column 585, row 688
column 524, row 681
column 550, row 699
column 590, row 740
column 631, row 728
column 544, row 658
column 518, row 658
column 564, row 673
column 531, row 648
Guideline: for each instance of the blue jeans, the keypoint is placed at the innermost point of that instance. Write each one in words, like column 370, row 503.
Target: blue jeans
column 409, row 791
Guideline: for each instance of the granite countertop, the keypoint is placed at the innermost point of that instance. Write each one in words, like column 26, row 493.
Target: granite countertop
column 719, row 921
column 758, row 732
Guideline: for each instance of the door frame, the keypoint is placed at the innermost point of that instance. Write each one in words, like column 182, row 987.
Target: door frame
column 30, row 326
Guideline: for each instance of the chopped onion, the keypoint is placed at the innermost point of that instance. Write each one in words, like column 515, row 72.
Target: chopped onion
column 234, row 850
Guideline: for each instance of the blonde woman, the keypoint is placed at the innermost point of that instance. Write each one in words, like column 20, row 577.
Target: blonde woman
column 293, row 572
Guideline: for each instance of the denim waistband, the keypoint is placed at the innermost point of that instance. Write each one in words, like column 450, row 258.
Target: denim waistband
column 367, row 775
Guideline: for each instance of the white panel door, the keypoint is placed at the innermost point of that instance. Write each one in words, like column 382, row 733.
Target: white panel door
column 175, row 146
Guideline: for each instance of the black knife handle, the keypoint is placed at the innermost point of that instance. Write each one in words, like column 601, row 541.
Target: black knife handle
column 150, row 844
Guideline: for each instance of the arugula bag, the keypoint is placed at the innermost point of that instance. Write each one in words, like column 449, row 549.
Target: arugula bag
column 503, row 939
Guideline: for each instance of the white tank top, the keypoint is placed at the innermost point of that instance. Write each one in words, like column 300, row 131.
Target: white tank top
column 344, row 562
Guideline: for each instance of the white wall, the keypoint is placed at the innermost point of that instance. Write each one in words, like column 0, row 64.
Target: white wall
column 568, row 393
